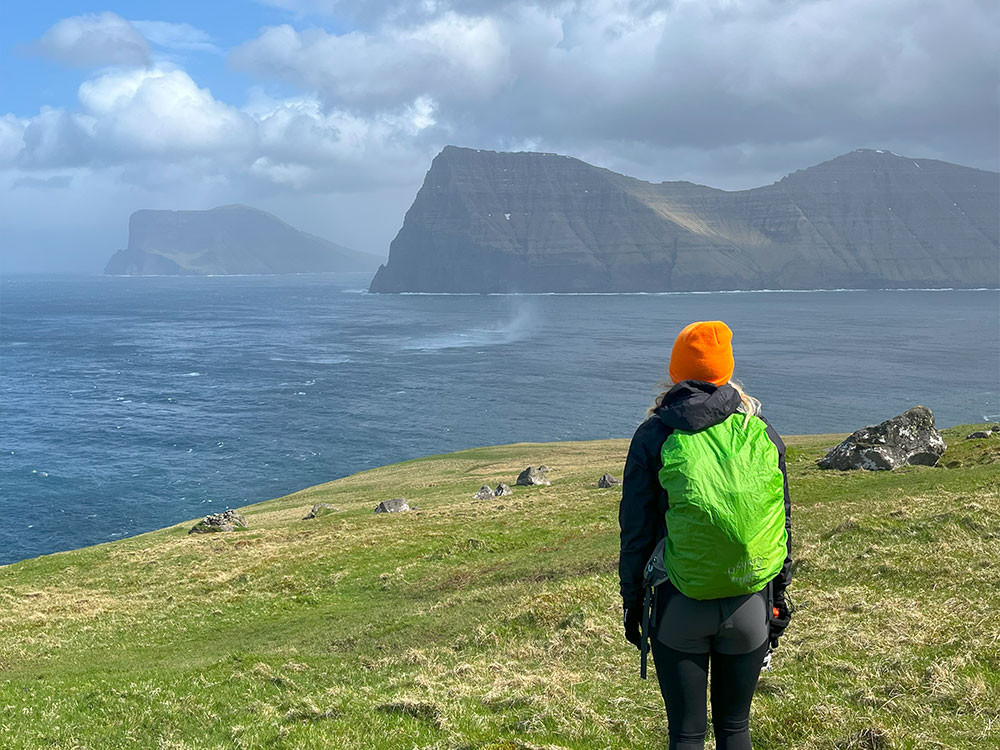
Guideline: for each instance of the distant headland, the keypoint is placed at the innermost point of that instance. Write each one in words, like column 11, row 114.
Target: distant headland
column 487, row 221
column 227, row 240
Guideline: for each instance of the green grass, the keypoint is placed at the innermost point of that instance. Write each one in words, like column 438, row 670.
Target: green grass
column 495, row 624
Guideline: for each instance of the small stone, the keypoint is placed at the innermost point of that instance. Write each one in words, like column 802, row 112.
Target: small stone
column 319, row 509
column 485, row 493
column 533, row 475
column 980, row 434
column 502, row 490
column 228, row 520
column 607, row 481
column 396, row 505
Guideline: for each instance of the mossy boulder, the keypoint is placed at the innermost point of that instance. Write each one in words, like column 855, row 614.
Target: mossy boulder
column 909, row 438
column 228, row 520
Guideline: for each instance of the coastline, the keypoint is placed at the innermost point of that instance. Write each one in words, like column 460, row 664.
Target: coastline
column 792, row 441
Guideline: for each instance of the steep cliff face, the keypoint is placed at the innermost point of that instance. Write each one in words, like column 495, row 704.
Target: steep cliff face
column 485, row 221
column 226, row 240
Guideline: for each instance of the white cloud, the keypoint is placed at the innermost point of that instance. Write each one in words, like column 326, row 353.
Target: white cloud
column 11, row 138
column 176, row 36
column 161, row 113
column 449, row 56
column 708, row 75
column 302, row 145
column 159, row 127
column 56, row 138
column 138, row 114
column 94, row 40
column 694, row 87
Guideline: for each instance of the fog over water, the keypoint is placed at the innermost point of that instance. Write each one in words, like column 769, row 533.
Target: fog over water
column 133, row 403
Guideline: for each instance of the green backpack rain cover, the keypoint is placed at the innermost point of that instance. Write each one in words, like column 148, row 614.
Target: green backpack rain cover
column 726, row 515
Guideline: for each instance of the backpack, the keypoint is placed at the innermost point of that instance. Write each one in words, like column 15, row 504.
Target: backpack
column 726, row 513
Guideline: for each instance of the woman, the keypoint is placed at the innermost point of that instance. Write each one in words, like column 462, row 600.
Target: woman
column 706, row 475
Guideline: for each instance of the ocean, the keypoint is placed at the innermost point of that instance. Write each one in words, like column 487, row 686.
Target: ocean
column 128, row 404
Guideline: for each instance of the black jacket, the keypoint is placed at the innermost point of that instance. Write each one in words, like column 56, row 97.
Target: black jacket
column 691, row 406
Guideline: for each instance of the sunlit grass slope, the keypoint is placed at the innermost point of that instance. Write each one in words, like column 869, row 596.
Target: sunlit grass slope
column 495, row 624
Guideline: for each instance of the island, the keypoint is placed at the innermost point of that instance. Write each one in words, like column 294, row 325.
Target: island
column 487, row 221
column 226, row 240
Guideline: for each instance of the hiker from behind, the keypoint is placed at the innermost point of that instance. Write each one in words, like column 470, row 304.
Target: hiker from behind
column 705, row 541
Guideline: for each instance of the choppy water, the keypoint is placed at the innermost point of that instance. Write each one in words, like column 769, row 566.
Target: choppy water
column 130, row 404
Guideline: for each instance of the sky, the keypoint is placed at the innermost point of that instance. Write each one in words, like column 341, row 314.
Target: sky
column 328, row 112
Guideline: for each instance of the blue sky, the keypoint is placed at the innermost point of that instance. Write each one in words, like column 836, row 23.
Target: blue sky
column 328, row 112
column 29, row 81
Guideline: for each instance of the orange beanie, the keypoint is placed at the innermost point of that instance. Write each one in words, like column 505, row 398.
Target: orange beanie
column 703, row 351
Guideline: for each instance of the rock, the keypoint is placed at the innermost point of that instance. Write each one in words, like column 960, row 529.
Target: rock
column 533, row 475
column 979, row 434
column 485, row 493
column 909, row 438
column 319, row 509
column 228, row 520
column 502, row 490
column 226, row 240
column 396, row 505
column 487, row 221
column 607, row 481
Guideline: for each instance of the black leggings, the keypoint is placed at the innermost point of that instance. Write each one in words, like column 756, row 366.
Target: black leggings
column 683, row 681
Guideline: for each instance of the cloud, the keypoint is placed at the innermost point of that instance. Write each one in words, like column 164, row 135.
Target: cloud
column 720, row 91
column 136, row 114
column 11, row 138
column 449, row 56
column 687, row 76
column 55, row 182
column 303, row 146
column 176, row 36
column 94, row 40
column 160, row 127
column 161, row 113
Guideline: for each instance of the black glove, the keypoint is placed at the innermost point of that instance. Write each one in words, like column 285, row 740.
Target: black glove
column 778, row 622
column 633, row 623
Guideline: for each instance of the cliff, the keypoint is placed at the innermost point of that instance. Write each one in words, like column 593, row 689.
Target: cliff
column 487, row 221
column 226, row 240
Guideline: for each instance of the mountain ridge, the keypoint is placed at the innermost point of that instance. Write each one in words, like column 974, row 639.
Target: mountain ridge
column 487, row 221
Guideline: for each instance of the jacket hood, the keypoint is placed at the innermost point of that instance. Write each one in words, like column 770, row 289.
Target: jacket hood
column 693, row 405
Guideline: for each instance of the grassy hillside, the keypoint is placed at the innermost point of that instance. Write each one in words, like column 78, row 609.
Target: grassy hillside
column 495, row 624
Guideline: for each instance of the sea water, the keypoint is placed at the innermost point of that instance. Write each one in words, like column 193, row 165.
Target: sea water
column 129, row 404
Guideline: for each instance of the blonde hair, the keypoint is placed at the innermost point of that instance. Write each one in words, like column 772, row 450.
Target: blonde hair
column 748, row 404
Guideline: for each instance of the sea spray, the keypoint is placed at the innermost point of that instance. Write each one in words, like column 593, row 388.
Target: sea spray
column 520, row 323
